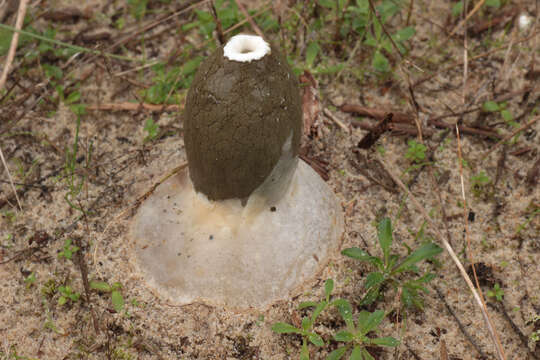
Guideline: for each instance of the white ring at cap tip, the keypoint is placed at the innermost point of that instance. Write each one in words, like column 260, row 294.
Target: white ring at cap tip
column 245, row 48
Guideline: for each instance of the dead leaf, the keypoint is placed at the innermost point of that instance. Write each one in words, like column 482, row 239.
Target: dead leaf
column 444, row 352
column 64, row 14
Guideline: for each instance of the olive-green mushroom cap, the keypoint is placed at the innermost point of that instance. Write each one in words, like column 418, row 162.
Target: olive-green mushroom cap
column 240, row 119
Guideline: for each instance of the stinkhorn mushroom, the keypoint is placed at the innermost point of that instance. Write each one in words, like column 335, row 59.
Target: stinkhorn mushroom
column 247, row 223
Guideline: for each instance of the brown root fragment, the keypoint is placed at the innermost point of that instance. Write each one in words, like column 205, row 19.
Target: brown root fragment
column 375, row 133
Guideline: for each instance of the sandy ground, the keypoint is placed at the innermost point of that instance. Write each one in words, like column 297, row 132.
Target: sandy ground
column 124, row 167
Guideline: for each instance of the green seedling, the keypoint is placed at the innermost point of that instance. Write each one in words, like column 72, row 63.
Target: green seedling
column 45, row 48
column 9, row 216
column 390, row 269
column 30, row 280
column 13, row 355
column 227, row 13
column 496, row 293
column 120, row 353
column 355, row 336
column 68, row 250
column 534, row 337
column 65, row 51
column 380, row 41
column 117, row 299
column 137, row 8
column 311, row 53
column 75, row 180
column 66, row 294
column 457, row 9
column 416, row 152
column 528, row 221
column 358, row 18
column 167, row 82
column 306, row 330
column 152, row 129
column 49, row 288
column 479, row 183
column 501, row 108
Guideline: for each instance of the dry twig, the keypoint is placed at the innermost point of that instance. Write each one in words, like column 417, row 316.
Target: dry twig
column 451, row 252
column 371, row 138
column 473, row 58
column 511, row 135
column 126, row 106
column 219, row 27
column 460, row 324
column 249, row 19
column 10, row 179
column 332, row 117
column 376, row 113
column 464, row 21
column 14, row 41
column 478, row 295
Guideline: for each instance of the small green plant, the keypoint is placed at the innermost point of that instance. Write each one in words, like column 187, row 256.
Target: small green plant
column 530, row 218
column 306, row 330
column 479, row 183
column 30, row 280
column 358, row 18
column 228, row 14
column 137, row 8
column 152, row 129
column 9, row 216
column 66, row 294
column 355, row 336
column 13, row 355
column 44, row 49
column 75, row 181
column 390, row 269
column 534, row 337
column 49, row 288
column 457, row 9
column 496, row 292
column 501, row 108
column 120, row 353
column 416, row 152
column 311, row 53
column 166, row 82
column 117, row 299
column 68, row 250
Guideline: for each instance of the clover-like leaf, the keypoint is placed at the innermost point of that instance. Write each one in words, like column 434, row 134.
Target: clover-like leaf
column 328, row 287
column 385, row 341
column 374, row 279
column 384, row 233
column 337, row 354
column 424, row 252
column 345, row 310
column 117, row 300
column 372, row 321
column 316, row 339
column 357, row 354
column 344, row 336
column 284, row 328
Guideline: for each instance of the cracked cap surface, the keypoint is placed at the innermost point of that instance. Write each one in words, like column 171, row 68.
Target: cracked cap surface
column 238, row 116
